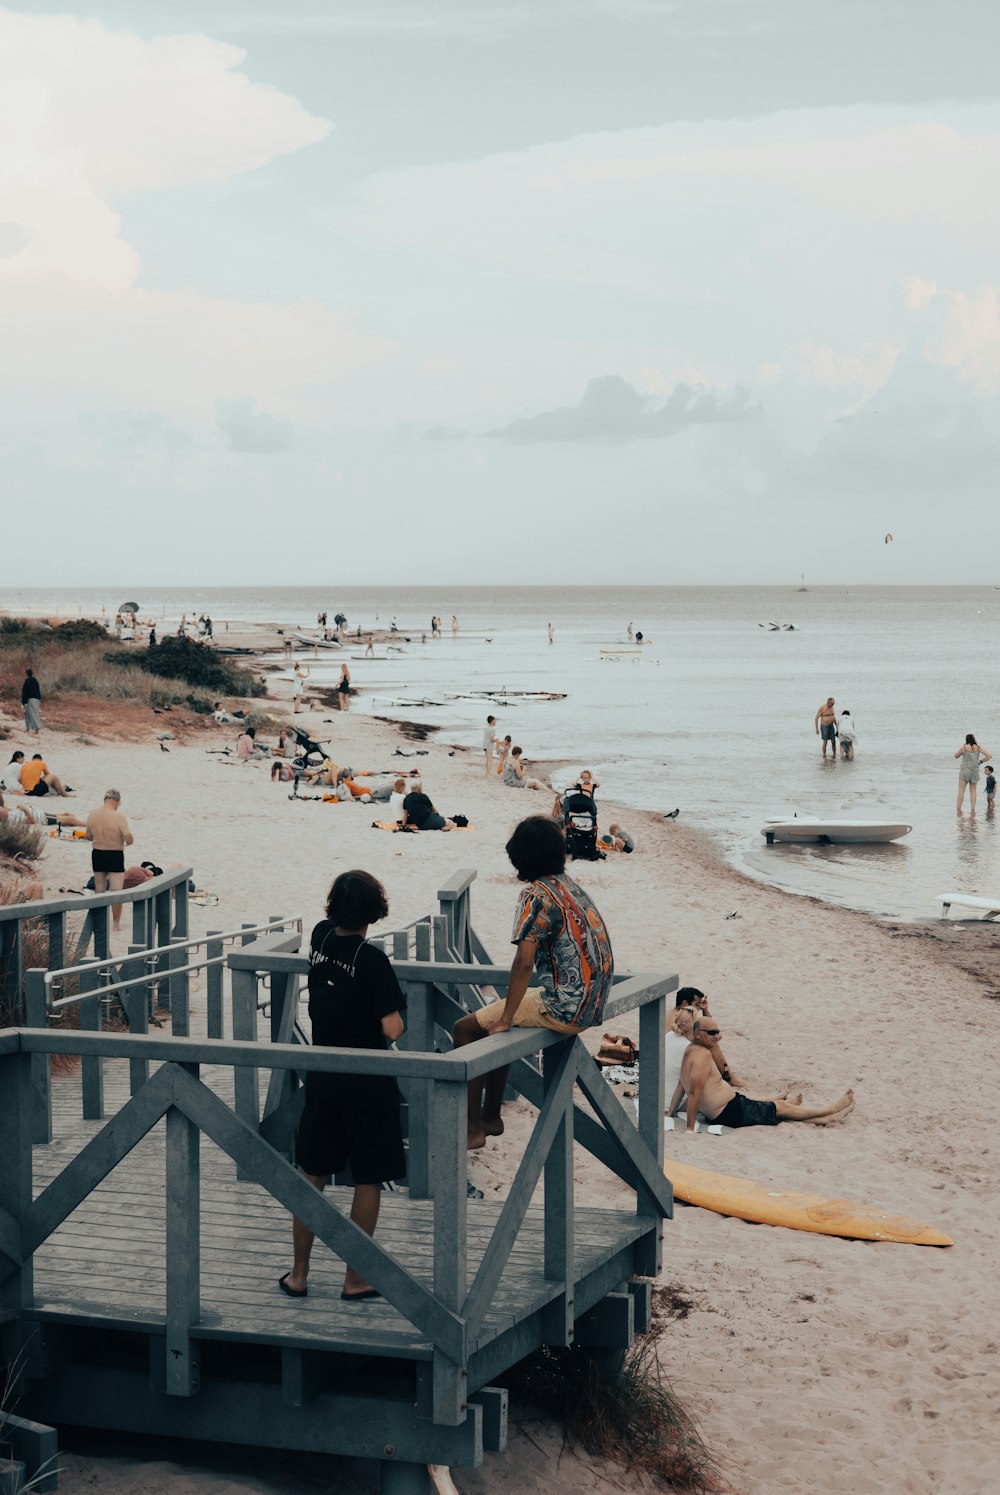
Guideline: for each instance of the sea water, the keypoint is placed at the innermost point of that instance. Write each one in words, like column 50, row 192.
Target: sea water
column 712, row 714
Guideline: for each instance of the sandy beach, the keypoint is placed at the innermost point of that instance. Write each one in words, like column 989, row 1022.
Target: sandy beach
column 813, row 1364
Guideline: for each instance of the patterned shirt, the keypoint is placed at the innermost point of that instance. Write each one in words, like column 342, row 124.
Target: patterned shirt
column 573, row 956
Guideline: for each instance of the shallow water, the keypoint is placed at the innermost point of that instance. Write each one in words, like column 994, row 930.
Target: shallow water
column 714, row 714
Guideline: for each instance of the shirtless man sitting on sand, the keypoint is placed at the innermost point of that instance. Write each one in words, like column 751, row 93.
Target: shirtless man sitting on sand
column 709, row 1093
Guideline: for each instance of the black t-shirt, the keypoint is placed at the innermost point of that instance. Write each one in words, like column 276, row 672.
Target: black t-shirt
column 352, row 986
column 417, row 807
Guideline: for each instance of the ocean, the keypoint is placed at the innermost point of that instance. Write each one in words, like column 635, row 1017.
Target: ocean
column 713, row 714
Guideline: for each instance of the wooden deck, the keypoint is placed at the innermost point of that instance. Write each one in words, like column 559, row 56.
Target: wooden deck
column 145, row 1202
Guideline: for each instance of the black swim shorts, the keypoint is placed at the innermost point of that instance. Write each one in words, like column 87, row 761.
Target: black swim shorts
column 331, row 1138
column 742, row 1111
column 107, row 861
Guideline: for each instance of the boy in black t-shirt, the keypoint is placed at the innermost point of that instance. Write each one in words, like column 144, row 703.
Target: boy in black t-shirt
column 351, row 1121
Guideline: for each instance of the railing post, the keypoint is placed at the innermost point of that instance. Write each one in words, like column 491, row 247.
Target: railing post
column 180, row 989
column 248, row 937
column 560, row 1216
column 214, row 978
column 183, row 1279
column 11, row 946
column 37, row 1016
column 135, row 1001
column 92, row 1065
column 140, row 922
column 180, row 930
column 422, row 940
column 246, row 1087
column 449, row 1173
column 161, row 918
column 16, row 1291
column 419, row 1038
column 99, row 920
column 652, row 1100
column 57, row 941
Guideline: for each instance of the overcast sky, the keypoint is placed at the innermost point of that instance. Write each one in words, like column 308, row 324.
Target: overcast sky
column 575, row 290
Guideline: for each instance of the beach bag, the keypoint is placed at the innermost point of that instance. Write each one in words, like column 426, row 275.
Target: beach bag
column 461, row 820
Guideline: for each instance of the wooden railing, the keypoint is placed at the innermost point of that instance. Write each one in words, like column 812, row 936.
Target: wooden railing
column 159, row 914
column 449, row 1312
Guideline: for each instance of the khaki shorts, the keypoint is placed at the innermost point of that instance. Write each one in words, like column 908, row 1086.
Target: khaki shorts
column 530, row 1014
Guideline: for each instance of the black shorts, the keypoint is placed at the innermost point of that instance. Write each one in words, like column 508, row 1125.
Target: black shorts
column 39, row 791
column 107, row 861
column 742, row 1111
column 331, row 1138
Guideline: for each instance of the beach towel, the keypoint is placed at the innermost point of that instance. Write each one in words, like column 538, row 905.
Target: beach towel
column 394, row 825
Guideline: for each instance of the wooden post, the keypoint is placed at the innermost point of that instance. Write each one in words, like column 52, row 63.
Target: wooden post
column 36, row 1016
column 422, row 940
column 161, row 920
column 560, row 1217
column 99, row 920
column 246, row 1081
column 91, row 1065
column 449, row 1173
column 140, row 922
column 183, row 1242
column 652, row 1101
column 180, row 991
column 403, row 1479
column 180, row 929
column 16, row 1291
column 419, row 1038
column 214, row 978
column 57, row 941
column 135, row 1000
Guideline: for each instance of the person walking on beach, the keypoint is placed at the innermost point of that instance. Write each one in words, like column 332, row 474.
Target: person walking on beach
column 503, row 746
column 560, row 935
column 552, row 634
column 108, row 829
column 349, row 1121
column 489, row 742
column 454, row 625
column 971, row 755
column 991, row 789
column 826, row 726
column 298, row 686
column 709, row 1093
column 848, row 736
column 31, row 700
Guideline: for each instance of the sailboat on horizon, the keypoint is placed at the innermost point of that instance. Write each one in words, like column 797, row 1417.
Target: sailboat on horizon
column 803, row 587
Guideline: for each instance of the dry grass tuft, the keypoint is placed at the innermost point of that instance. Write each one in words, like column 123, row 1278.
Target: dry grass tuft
column 632, row 1418
column 22, row 839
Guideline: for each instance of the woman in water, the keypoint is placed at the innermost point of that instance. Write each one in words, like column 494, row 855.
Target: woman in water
column 971, row 755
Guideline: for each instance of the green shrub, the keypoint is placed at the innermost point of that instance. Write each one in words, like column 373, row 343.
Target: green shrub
column 179, row 658
column 81, row 631
column 15, row 630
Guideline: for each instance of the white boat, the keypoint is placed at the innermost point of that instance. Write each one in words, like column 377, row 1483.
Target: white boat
column 811, row 828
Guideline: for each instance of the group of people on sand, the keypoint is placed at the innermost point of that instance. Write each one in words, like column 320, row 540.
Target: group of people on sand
column 560, row 979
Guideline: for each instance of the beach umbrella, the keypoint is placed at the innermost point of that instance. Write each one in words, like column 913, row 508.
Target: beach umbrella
column 129, row 607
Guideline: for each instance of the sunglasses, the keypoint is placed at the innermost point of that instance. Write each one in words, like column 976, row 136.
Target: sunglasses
column 711, row 1032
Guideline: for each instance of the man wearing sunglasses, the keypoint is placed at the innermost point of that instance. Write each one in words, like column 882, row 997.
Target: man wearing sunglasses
column 709, row 1093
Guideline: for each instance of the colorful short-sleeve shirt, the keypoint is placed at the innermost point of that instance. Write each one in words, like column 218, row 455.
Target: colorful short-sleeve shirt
column 573, row 958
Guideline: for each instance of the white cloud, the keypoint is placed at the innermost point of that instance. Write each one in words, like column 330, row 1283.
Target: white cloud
column 818, row 363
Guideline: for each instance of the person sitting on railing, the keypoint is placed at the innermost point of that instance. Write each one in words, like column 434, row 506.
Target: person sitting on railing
column 559, row 933
column 349, row 1121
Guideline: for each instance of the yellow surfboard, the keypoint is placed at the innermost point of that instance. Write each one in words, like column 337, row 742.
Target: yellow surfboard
column 768, row 1204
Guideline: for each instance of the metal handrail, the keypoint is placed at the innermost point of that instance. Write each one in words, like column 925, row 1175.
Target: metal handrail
column 155, row 950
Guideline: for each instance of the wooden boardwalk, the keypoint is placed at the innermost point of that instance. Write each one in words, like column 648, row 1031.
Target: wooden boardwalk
column 145, row 1205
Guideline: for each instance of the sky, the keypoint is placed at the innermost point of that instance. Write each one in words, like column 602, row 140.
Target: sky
column 499, row 291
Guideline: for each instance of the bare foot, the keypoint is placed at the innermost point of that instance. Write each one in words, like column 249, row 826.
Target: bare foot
column 475, row 1140
column 493, row 1126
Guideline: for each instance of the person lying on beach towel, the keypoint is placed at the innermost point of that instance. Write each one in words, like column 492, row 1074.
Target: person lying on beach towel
column 34, row 814
column 419, row 812
column 709, row 1093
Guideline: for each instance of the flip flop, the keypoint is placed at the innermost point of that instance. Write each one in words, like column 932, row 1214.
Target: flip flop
column 293, row 1292
column 369, row 1292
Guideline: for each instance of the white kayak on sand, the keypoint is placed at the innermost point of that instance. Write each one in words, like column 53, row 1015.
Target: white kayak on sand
column 811, row 828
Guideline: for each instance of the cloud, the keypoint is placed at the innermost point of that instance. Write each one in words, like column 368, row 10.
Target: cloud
column 614, row 410
column 817, row 363
column 252, row 430
column 138, row 432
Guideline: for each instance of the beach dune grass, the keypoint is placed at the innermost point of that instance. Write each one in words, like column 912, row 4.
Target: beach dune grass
column 622, row 1411
column 79, row 657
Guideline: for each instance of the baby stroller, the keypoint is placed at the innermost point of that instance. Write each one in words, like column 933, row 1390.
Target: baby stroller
column 307, row 748
column 580, row 826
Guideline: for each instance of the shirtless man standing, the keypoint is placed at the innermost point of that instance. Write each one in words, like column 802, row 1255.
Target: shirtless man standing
column 108, row 829
column 826, row 726
column 709, row 1093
